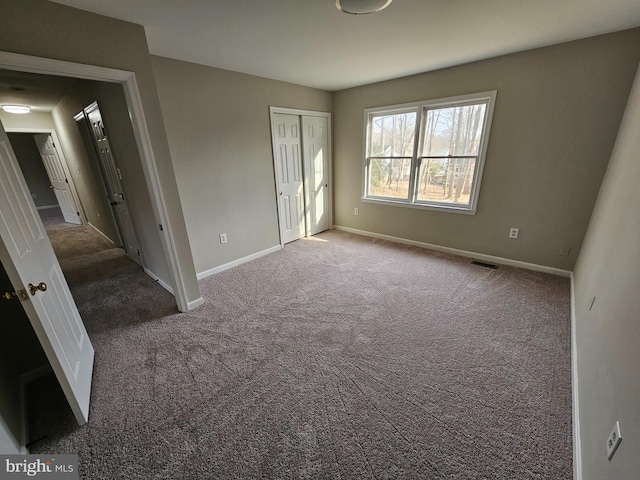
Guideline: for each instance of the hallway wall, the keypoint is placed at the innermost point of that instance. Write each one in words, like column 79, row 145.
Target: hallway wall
column 33, row 169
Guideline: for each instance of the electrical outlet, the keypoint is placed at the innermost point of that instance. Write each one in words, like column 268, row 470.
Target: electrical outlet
column 513, row 233
column 613, row 441
column 564, row 250
column 34, row 195
column 356, row 211
column 223, row 238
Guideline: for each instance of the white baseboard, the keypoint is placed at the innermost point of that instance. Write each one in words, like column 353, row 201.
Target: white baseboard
column 101, row 233
column 575, row 404
column 235, row 263
column 45, row 207
column 161, row 282
column 25, row 378
column 193, row 304
column 462, row 253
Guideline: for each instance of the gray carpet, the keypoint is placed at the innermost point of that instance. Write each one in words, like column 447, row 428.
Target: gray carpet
column 339, row 357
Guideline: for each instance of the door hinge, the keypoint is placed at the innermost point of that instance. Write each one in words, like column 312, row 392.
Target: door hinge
column 161, row 228
column 66, row 180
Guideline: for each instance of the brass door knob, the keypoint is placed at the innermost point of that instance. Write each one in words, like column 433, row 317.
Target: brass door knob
column 280, row 193
column 41, row 286
column 20, row 294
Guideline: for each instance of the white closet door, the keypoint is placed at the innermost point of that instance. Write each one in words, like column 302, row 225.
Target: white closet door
column 316, row 144
column 289, row 178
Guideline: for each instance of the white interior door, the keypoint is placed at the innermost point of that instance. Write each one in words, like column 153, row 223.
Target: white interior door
column 28, row 258
column 113, row 182
column 289, row 180
column 58, row 178
column 316, row 172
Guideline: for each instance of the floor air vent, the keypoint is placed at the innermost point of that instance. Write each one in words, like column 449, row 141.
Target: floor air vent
column 483, row 264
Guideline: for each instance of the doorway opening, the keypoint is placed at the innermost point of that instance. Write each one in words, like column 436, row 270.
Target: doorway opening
column 152, row 189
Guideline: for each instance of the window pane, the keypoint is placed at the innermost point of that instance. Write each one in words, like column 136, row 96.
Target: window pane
column 392, row 135
column 389, row 177
column 453, row 130
column 447, row 180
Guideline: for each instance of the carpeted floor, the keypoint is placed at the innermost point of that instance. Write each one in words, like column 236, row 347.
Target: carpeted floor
column 339, row 357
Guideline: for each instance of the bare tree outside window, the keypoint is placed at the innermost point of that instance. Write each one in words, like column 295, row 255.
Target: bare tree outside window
column 451, row 147
column 443, row 168
column 392, row 142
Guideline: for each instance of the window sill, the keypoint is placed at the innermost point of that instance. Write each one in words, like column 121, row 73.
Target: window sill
column 421, row 206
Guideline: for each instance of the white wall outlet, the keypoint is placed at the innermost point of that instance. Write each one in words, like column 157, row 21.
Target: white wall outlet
column 613, row 441
column 513, row 233
column 356, row 211
column 564, row 250
column 34, row 195
column 223, row 238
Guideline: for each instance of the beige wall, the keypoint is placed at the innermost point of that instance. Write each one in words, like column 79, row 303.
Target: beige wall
column 33, row 169
column 83, row 168
column 96, row 40
column 218, row 128
column 608, row 334
column 39, row 119
column 556, row 117
column 115, row 115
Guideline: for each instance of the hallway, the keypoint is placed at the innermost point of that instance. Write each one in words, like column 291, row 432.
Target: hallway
column 102, row 279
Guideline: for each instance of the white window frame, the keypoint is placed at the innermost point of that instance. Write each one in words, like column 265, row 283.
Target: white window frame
column 421, row 109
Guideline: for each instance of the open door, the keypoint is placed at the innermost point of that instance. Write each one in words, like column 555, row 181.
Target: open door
column 57, row 177
column 34, row 271
column 112, row 178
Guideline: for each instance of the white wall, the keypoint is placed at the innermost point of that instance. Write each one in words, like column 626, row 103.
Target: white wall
column 608, row 334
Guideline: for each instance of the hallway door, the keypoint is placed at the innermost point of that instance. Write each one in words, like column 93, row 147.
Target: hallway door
column 58, row 178
column 113, row 177
column 40, row 286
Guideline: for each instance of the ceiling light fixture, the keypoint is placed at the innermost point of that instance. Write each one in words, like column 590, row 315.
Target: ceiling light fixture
column 361, row 7
column 20, row 109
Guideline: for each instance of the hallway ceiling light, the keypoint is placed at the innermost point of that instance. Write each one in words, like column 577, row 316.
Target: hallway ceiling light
column 361, row 7
column 16, row 109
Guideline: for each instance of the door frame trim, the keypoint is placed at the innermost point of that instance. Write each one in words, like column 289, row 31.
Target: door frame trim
column 273, row 110
column 49, row 66
column 63, row 159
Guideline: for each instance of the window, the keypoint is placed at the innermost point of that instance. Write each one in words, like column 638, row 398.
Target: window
column 428, row 154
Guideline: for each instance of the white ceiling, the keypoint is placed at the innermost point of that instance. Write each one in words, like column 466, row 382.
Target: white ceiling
column 309, row 42
column 41, row 92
